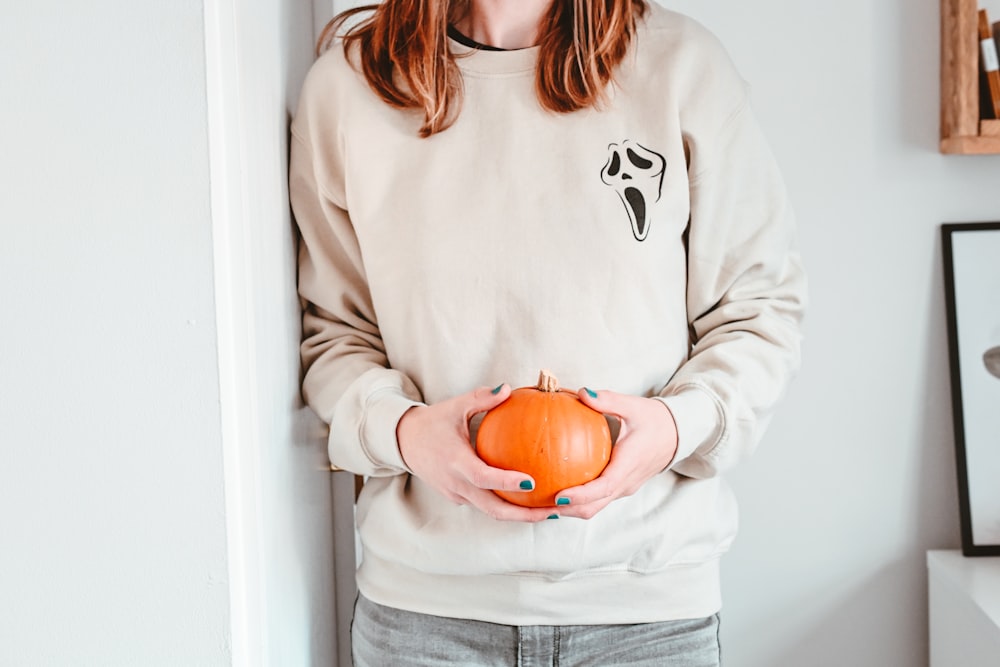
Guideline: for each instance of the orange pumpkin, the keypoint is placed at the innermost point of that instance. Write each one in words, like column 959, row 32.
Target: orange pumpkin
column 549, row 434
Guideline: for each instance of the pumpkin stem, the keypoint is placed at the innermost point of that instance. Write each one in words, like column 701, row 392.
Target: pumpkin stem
column 547, row 381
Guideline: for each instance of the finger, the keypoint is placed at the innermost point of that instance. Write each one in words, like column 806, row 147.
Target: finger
column 599, row 490
column 587, row 511
column 605, row 401
column 484, row 399
column 614, row 482
column 482, row 476
column 499, row 509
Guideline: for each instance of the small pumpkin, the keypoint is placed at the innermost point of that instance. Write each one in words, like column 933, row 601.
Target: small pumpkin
column 548, row 433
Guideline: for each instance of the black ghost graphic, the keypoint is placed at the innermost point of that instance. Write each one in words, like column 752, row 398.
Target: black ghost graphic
column 636, row 174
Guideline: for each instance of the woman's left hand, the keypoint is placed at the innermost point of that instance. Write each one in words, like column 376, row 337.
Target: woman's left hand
column 647, row 442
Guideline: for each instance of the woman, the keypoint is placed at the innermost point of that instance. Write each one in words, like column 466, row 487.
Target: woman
column 485, row 188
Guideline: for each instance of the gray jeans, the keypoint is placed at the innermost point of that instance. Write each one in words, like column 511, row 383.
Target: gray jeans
column 386, row 637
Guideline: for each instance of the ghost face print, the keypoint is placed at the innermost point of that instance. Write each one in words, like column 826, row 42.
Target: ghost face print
column 636, row 175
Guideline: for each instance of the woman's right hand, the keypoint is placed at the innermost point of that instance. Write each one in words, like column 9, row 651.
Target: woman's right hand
column 434, row 442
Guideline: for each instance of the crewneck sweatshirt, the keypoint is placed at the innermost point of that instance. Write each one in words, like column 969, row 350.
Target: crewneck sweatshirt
column 646, row 247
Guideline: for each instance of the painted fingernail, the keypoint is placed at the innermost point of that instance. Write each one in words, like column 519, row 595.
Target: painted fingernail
column 527, row 485
column 562, row 500
column 552, row 516
column 497, row 390
column 590, row 392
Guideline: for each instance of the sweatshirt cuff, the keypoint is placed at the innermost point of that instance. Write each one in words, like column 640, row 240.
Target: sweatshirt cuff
column 378, row 434
column 698, row 420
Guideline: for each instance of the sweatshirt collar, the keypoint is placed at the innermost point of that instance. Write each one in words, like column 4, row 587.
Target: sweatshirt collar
column 484, row 62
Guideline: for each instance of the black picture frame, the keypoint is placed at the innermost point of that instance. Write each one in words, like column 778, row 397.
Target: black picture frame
column 972, row 301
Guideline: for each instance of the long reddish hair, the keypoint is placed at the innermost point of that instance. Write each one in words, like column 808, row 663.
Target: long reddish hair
column 404, row 55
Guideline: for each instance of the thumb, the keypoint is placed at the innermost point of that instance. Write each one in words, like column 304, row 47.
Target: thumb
column 486, row 398
column 604, row 401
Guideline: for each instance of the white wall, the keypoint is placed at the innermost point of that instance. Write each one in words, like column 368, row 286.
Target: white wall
column 856, row 479
column 111, row 497
column 165, row 496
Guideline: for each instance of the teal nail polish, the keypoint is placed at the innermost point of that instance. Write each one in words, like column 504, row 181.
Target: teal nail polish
column 527, row 485
column 563, row 500
column 497, row 390
column 590, row 392
column 553, row 516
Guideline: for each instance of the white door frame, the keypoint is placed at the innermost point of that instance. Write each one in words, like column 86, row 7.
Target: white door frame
column 256, row 494
column 235, row 349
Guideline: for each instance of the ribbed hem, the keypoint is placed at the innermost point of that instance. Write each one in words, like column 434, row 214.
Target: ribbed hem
column 698, row 420
column 679, row 592
column 378, row 436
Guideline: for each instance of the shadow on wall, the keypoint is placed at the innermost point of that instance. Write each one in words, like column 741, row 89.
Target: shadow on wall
column 854, row 632
column 859, row 596
column 860, row 623
column 936, row 522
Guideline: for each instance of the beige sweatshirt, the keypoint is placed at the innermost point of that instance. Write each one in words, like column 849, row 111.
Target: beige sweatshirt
column 646, row 248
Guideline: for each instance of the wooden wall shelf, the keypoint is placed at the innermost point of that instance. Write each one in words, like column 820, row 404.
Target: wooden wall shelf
column 961, row 131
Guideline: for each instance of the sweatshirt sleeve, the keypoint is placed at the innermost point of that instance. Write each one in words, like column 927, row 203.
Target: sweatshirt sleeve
column 746, row 295
column 347, row 380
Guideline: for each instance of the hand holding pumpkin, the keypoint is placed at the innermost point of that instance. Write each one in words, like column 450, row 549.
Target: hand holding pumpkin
column 549, row 433
column 435, row 444
column 646, row 444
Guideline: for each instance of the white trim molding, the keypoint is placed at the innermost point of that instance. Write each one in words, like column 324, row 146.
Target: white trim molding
column 234, row 319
